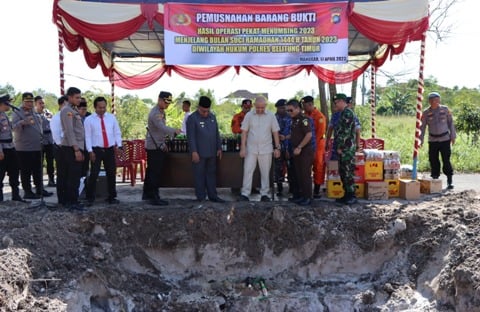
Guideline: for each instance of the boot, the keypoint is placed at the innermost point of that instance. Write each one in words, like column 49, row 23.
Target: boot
column 16, row 195
column 1, row 195
column 449, row 182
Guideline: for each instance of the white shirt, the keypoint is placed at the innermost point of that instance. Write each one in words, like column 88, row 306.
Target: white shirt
column 184, row 122
column 56, row 127
column 93, row 131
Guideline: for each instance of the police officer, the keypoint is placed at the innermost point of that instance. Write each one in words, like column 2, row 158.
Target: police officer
column 319, row 125
column 345, row 143
column 156, row 148
column 205, row 146
column 441, row 135
column 27, row 128
column 47, row 139
column 303, row 152
column 72, row 155
column 8, row 157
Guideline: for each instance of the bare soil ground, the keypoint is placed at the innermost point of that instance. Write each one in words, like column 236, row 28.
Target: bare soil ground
column 392, row 255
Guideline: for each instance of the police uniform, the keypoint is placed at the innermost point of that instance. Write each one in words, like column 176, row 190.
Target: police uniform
column 301, row 125
column 69, row 170
column 48, row 150
column 345, row 140
column 441, row 131
column 27, row 129
column 156, row 150
column 9, row 164
column 283, row 163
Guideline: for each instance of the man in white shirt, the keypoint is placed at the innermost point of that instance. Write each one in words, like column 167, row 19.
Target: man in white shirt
column 258, row 127
column 57, row 135
column 186, row 109
column 102, row 139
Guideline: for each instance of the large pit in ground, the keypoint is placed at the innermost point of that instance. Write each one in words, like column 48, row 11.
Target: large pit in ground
column 389, row 256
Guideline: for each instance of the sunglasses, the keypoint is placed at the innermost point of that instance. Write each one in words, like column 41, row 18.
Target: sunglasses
column 289, row 110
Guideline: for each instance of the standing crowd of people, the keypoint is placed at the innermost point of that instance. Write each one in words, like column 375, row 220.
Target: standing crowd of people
column 294, row 140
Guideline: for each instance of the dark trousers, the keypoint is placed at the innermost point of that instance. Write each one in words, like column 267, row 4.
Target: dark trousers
column 9, row 165
column 107, row 157
column 49, row 157
column 30, row 166
column 303, row 172
column 205, row 177
column 153, row 173
column 444, row 149
column 70, row 175
column 59, row 160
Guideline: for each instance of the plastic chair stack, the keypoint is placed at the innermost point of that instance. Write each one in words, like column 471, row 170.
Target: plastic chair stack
column 139, row 158
column 124, row 160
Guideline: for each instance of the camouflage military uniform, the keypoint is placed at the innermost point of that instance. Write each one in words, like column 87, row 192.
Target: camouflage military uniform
column 345, row 142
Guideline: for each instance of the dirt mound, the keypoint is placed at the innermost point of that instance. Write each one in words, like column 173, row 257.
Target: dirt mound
column 386, row 256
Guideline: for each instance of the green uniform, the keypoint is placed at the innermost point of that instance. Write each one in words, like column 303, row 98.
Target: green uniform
column 345, row 141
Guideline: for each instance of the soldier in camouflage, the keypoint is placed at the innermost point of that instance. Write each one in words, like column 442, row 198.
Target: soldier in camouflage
column 345, row 142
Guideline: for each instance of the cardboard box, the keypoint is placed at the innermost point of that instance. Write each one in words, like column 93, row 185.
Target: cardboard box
column 377, row 190
column 373, row 170
column 430, row 186
column 360, row 190
column 393, row 188
column 332, row 170
column 409, row 189
column 359, row 176
column 335, row 189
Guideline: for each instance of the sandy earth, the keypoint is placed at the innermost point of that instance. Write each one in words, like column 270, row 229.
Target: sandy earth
column 391, row 255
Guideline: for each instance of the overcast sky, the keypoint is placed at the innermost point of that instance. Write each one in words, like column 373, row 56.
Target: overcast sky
column 30, row 59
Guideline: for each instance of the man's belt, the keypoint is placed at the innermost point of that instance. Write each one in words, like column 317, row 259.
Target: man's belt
column 438, row 135
column 6, row 141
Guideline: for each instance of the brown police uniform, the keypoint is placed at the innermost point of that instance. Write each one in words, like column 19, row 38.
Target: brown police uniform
column 301, row 125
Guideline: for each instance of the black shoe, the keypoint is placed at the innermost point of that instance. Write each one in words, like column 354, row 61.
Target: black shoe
column 340, row 200
column 217, row 200
column 89, row 203
column 51, row 183
column 45, row 193
column 243, row 198
column 305, row 202
column 19, row 199
column 77, row 207
column 158, row 202
column 450, row 187
column 112, row 201
column 265, row 198
column 31, row 195
column 317, row 195
column 146, row 196
column 295, row 199
column 350, row 201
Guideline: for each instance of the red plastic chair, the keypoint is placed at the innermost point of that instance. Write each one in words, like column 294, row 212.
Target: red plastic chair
column 123, row 160
column 374, row 143
column 139, row 158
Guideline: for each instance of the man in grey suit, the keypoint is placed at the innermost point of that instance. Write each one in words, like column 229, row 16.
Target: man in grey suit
column 205, row 145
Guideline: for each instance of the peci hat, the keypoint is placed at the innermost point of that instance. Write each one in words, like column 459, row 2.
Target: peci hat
column 306, row 99
column 281, row 102
column 340, row 96
column 27, row 97
column 247, row 101
column 166, row 96
column 5, row 98
column 433, row 95
column 204, row 102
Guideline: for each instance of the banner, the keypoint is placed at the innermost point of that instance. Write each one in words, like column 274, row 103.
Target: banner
column 249, row 34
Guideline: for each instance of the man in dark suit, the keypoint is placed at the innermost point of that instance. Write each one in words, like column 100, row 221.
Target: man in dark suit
column 205, row 145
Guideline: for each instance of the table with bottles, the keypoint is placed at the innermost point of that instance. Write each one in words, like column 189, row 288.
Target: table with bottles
column 178, row 164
